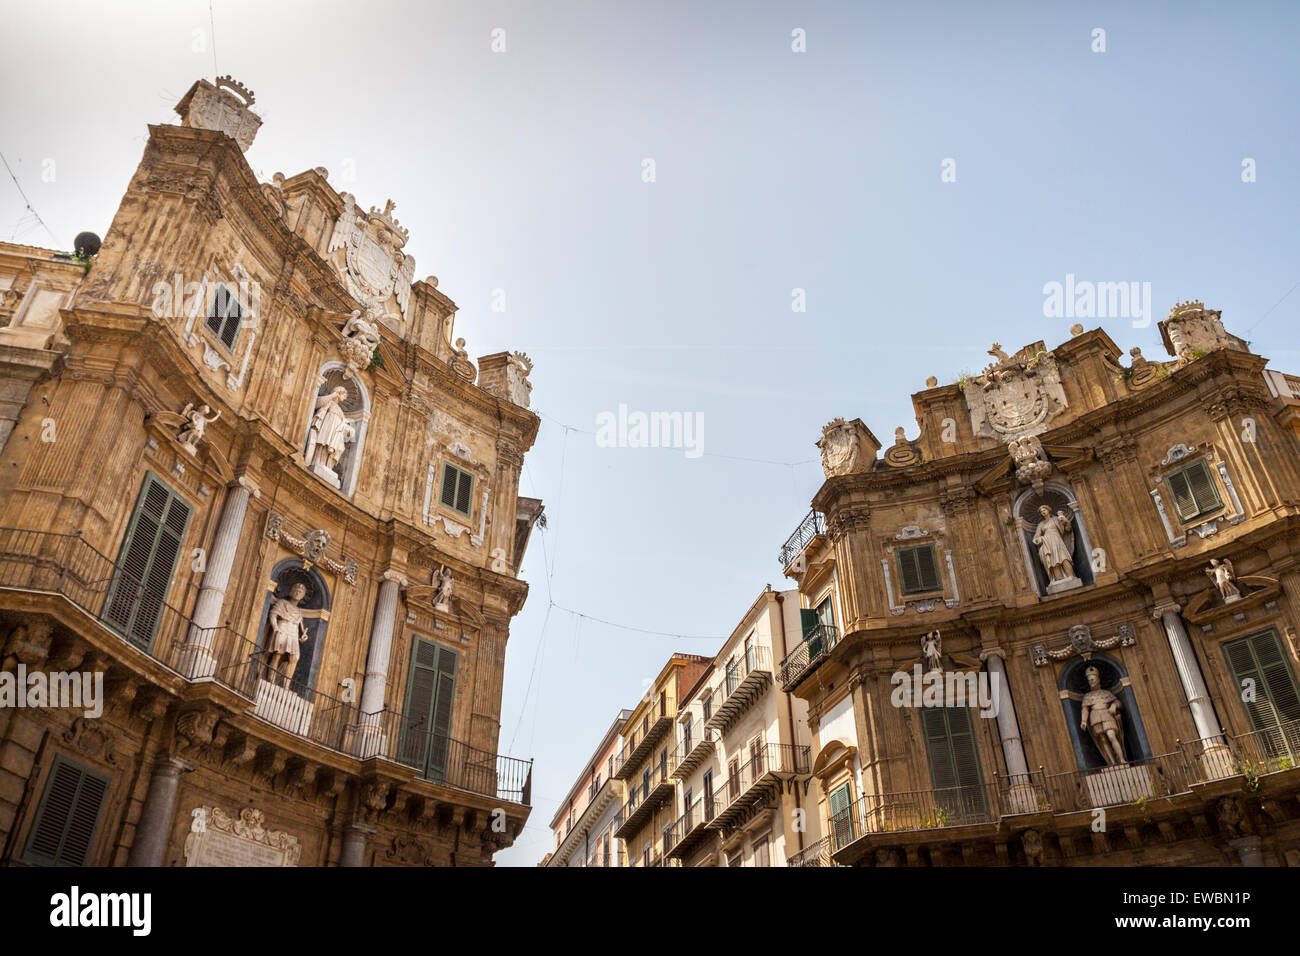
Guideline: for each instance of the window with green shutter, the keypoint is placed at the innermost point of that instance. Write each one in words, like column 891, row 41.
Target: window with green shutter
column 457, row 489
column 224, row 315
column 1193, row 491
column 1261, row 660
column 918, row 570
column 954, row 767
column 841, row 821
column 146, row 564
column 430, row 694
column 67, row 816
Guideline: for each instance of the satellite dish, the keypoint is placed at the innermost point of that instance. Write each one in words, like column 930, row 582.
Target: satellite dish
column 86, row 245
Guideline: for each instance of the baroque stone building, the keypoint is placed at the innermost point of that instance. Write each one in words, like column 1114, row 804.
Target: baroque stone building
column 1058, row 626
column 248, row 475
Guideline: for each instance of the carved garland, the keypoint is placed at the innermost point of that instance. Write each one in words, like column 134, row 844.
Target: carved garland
column 311, row 548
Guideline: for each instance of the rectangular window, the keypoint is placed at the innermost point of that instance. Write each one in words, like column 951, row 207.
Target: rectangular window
column 67, row 816
column 708, row 795
column 918, row 571
column 761, row 857
column 430, row 694
column 1260, row 660
column 224, row 315
column 1193, row 491
column 457, row 489
column 841, row 821
column 686, row 736
column 954, row 768
column 145, row 565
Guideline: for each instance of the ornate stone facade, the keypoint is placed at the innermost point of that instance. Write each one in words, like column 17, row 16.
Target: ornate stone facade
column 219, row 436
column 1108, row 550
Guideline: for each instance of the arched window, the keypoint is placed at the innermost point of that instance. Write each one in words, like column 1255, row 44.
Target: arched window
column 1057, row 500
column 1113, row 678
column 314, row 606
column 336, row 429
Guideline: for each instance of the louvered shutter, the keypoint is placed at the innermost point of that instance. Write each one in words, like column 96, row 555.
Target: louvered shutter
column 429, row 697
column 67, row 816
column 917, row 570
column 841, row 820
column 1181, row 492
column 1202, row 487
column 807, row 621
column 147, row 563
column 464, row 491
column 954, row 761
column 1259, row 658
column 927, row 569
column 448, row 496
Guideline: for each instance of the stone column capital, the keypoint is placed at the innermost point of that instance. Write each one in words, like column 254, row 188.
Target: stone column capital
column 994, row 651
column 397, row 577
column 243, row 481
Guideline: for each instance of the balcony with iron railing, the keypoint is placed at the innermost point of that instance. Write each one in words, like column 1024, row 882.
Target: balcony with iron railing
column 692, row 752
column 110, row 598
column 744, row 679
column 644, row 734
column 763, row 770
column 813, row 525
column 815, row 648
column 688, row 829
column 816, row 854
column 644, row 797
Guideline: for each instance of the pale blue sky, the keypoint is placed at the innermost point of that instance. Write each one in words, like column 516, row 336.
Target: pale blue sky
column 521, row 171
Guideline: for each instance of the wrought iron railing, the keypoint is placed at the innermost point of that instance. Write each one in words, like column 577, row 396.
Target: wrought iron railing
column 1131, row 783
column 816, row 854
column 818, row 641
column 813, row 524
column 762, row 761
column 756, row 659
column 66, row 565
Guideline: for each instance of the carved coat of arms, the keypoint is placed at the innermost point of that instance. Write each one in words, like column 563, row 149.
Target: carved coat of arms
column 1017, row 395
column 373, row 266
column 846, row 447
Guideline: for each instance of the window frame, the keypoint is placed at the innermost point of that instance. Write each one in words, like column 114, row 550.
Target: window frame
column 231, row 298
column 902, row 577
column 1202, row 513
column 460, row 475
column 36, row 858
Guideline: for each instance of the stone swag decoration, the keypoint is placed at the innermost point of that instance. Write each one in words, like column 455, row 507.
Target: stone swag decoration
column 311, row 547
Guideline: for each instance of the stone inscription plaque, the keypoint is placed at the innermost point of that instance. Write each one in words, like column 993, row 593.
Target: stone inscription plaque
column 218, row 838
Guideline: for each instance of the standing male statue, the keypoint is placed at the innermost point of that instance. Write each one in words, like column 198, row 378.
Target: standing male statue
column 285, row 631
column 330, row 430
column 1054, row 537
column 1100, row 717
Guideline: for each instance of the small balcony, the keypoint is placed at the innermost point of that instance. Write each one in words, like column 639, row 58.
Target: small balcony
column 690, row 754
column 1121, row 785
column 644, row 736
column 812, row 526
column 927, row 810
column 812, row 652
column 689, row 829
column 643, row 800
column 766, row 769
column 818, row 854
column 744, row 681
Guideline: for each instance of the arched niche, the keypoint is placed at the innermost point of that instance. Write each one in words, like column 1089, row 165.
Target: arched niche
column 355, row 408
column 315, row 607
column 1073, row 684
column 1057, row 498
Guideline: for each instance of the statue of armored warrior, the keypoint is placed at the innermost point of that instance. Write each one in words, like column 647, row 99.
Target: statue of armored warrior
column 285, row 631
column 1100, row 717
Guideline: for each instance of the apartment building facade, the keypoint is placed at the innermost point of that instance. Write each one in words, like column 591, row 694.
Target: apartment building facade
column 250, row 479
column 584, row 823
column 742, row 754
column 1059, row 625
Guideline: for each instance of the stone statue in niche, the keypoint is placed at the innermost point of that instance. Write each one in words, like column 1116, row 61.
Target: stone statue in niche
column 196, row 421
column 1099, row 716
column 1225, row 579
column 932, row 651
column 1054, row 538
column 284, row 632
column 442, row 599
column 330, row 432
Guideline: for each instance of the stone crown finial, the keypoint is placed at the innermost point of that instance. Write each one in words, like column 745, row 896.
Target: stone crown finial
column 1191, row 305
column 228, row 82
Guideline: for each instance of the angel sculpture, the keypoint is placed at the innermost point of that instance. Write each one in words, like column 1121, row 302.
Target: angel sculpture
column 196, row 420
column 1224, row 578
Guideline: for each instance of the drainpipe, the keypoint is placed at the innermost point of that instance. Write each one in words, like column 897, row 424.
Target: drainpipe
column 789, row 707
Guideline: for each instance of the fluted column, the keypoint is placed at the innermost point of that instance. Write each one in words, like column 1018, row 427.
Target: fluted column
column 197, row 659
column 1214, row 756
column 150, row 840
column 369, row 740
